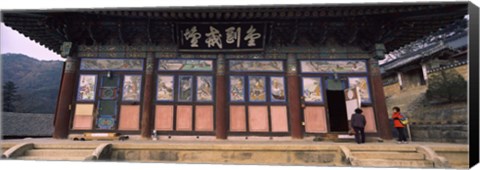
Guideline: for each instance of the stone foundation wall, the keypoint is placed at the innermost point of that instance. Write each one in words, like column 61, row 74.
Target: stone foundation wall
column 440, row 133
column 462, row 70
column 442, row 114
column 285, row 157
column 391, row 89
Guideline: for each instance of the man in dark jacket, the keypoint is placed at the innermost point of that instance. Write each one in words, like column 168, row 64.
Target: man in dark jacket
column 358, row 124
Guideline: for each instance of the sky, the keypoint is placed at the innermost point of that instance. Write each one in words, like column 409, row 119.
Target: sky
column 14, row 42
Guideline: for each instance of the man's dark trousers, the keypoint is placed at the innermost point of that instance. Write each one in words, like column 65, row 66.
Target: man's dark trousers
column 359, row 131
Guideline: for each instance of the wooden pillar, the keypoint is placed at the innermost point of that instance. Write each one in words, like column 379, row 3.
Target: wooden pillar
column 379, row 104
column 221, row 100
column 294, row 98
column 64, row 104
column 148, row 92
column 425, row 72
column 399, row 76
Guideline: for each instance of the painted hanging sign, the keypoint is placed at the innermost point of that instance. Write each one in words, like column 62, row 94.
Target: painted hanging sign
column 111, row 64
column 185, row 65
column 333, row 66
column 221, row 36
column 256, row 65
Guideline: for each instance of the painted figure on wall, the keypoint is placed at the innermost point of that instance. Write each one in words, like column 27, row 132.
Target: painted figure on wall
column 131, row 88
column 362, row 84
column 204, row 88
column 165, row 88
column 257, row 88
column 86, row 88
column 277, row 88
column 312, row 89
column 237, row 89
column 185, row 88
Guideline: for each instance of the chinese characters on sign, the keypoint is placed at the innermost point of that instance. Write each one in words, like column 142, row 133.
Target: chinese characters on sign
column 193, row 36
column 221, row 36
column 213, row 37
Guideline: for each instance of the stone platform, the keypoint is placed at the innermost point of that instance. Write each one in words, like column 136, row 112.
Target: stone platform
column 292, row 152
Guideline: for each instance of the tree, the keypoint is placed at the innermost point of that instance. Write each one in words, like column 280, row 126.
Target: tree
column 447, row 86
column 10, row 96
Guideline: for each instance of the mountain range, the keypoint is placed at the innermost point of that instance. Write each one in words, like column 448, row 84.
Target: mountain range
column 38, row 82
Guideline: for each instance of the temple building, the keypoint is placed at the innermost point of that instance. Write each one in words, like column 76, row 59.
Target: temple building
column 233, row 72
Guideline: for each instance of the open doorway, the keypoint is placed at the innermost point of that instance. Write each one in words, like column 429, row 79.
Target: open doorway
column 337, row 111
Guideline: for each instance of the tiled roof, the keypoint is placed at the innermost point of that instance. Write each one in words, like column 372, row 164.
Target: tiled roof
column 451, row 42
column 26, row 124
column 408, row 21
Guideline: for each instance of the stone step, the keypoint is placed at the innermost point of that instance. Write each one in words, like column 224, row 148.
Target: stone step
column 59, row 152
column 378, row 148
column 389, row 155
column 5, row 146
column 459, row 166
column 393, row 163
column 66, row 146
column 52, row 158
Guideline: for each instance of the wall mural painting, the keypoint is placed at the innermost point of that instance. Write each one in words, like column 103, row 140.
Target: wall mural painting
column 106, row 122
column 131, row 87
column 112, row 64
column 165, row 88
column 204, row 88
column 185, row 65
column 257, row 88
column 333, row 66
column 185, row 88
column 277, row 89
column 312, row 89
column 362, row 83
column 86, row 88
column 237, row 91
column 251, row 65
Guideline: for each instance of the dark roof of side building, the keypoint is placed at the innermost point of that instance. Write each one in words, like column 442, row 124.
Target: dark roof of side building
column 26, row 124
column 453, row 38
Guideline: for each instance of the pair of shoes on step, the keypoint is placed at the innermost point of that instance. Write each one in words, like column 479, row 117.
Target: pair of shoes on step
column 402, row 142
